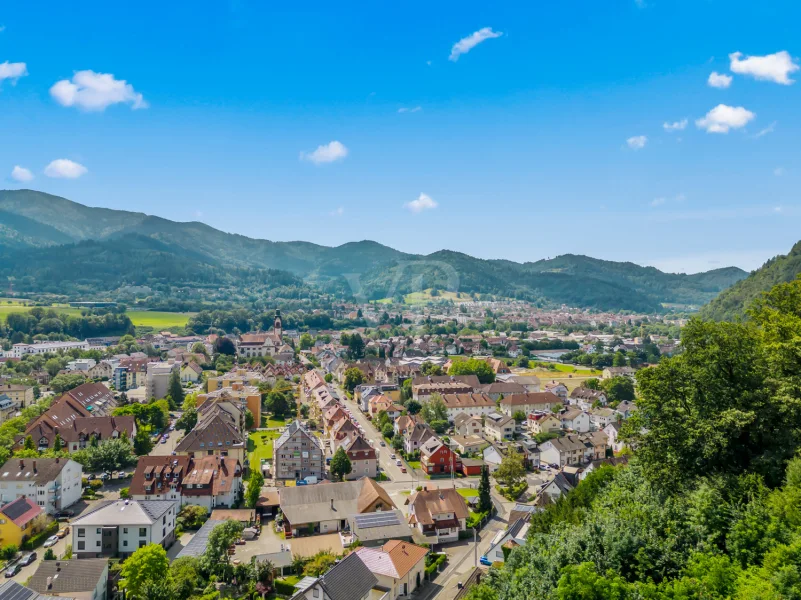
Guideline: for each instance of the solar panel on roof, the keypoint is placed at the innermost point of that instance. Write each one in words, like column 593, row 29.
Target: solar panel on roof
column 380, row 519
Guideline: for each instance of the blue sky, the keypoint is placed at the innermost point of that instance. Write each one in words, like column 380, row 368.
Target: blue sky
column 545, row 137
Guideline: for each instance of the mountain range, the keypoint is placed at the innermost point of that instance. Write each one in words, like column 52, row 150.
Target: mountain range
column 42, row 234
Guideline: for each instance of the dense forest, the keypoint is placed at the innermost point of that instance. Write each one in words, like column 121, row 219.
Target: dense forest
column 710, row 504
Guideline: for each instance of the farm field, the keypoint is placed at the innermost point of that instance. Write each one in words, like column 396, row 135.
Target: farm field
column 140, row 318
column 425, row 297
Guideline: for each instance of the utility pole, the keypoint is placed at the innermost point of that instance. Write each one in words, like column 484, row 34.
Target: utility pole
column 475, row 545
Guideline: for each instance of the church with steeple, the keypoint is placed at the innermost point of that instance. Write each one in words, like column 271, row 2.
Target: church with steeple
column 251, row 345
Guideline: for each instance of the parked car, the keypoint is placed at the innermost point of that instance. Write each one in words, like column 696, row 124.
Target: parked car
column 399, row 463
column 28, row 559
column 403, row 469
column 393, row 456
column 13, row 570
column 383, row 443
column 64, row 514
column 164, row 440
column 63, row 532
column 51, row 541
column 485, row 561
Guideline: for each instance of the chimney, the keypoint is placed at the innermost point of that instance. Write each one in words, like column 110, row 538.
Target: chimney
column 34, row 467
column 49, row 583
column 57, row 459
column 21, row 464
column 332, row 504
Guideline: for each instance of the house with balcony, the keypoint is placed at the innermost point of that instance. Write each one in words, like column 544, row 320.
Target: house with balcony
column 53, row 483
column 76, row 434
column 348, row 579
column 498, row 427
column 398, row 565
column 297, row 454
column 436, row 458
column 159, row 478
column 118, row 528
column 439, row 514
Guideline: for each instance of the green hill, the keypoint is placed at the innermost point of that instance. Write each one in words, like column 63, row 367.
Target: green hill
column 32, row 220
column 733, row 302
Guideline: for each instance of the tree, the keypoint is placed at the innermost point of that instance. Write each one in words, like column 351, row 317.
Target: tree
column 484, row 491
column 185, row 576
column 397, row 443
column 142, row 442
column 618, row 389
column 593, row 383
column 53, row 366
column 148, row 565
column 388, row 431
column 329, row 377
column 413, row 407
column 582, row 582
column 58, row 443
column 473, row 366
column 353, row 377
column 28, row 444
column 511, row 470
column 215, row 558
column 108, row 455
column 519, row 416
column 199, row 348
column 355, row 347
column 278, row 404
column 319, row 563
column 49, row 554
column 188, row 420
column 306, row 341
column 429, row 368
column 64, row 383
column 340, row 465
column 255, row 483
column 434, row 409
column 250, row 420
column 523, row 362
column 224, row 345
column 174, row 388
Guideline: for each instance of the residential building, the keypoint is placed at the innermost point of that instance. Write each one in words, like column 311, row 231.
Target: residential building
column 159, row 478
column 118, row 528
column 574, row 419
column 242, row 395
column 158, row 378
column 378, row 403
column 217, row 433
column 103, row 370
column 191, row 372
column 610, row 372
column 596, row 442
column 404, row 423
column 349, row 579
column 325, row 508
column 363, row 458
column 468, row 444
column 625, row 409
column 465, row 424
column 77, row 433
column 20, row 350
column 498, row 427
column 22, row 395
column 562, row 451
column 512, row 537
column 556, row 488
column 436, row 458
column 558, row 389
column 439, row 514
column 54, row 483
column 532, row 383
column 612, row 431
column 81, row 364
column 297, row 454
column 423, row 387
column 376, row 529
column 399, row 566
column 80, row 579
column 19, row 520
column 529, row 402
column 601, row 417
column 500, row 389
column 212, row 481
column 416, row 437
column 543, row 422
column 8, row 408
column 585, row 398
column 472, row 404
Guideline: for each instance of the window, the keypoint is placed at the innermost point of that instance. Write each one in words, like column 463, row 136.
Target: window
column 124, row 542
column 316, row 593
column 81, row 545
column 81, row 533
column 98, row 543
column 98, row 531
column 125, row 530
column 142, row 532
column 142, row 543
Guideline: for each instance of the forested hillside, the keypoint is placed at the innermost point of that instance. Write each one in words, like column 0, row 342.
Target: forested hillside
column 733, row 302
column 31, row 222
column 709, row 506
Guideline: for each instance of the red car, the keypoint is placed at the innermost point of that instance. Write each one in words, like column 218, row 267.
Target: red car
column 403, row 469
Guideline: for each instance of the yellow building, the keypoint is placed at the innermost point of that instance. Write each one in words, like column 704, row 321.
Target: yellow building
column 19, row 520
column 239, row 392
column 21, row 394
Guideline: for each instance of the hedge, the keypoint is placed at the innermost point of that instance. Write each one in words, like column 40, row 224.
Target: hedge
column 283, row 588
column 37, row 540
column 434, row 566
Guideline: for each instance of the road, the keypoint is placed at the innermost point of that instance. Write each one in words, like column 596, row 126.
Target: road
column 27, row 572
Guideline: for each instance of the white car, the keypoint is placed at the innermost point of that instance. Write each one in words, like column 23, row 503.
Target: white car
column 392, row 456
column 398, row 462
column 51, row 541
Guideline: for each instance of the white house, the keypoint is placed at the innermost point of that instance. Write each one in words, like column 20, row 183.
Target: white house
column 575, row 419
column 562, row 451
column 399, row 566
column 55, row 483
column 601, row 417
column 118, row 528
column 612, row 431
column 514, row 535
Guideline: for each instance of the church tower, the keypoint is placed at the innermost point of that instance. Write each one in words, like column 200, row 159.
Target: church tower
column 278, row 329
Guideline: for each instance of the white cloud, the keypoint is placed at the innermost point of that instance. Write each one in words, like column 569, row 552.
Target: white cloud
column 96, row 91
column 772, row 67
column 413, row 109
column 663, row 200
column 64, row 168
column 675, row 126
column 722, row 118
column 466, row 44
column 637, row 142
column 778, row 171
column 326, row 153
column 21, row 174
column 423, row 202
column 337, row 212
column 769, row 129
column 12, row 71
column 719, row 80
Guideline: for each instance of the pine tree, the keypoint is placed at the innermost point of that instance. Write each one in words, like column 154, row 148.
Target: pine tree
column 29, row 443
column 58, row 444
column 484, row 497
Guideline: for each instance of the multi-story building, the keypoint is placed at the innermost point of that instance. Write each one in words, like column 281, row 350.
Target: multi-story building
column 363, row 458
column 439, row 514
column 473, row 405
column 22, row 395
column 499, row 427
column 218, row 432
column 20, row 350
column 54, row 483
column 158, row 378
column 251, row 345
column 118, row 528
column 77, row 433
column 297, row 454
column 247, row 396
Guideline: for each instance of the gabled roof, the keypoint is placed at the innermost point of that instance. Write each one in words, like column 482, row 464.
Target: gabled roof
column 331, row 501
column 68, row 576
column 426, row 503
column 21, row 511
column 530, row 398
column 38, row 470
column 125, row 512
column 404, row 555
column 349, row 579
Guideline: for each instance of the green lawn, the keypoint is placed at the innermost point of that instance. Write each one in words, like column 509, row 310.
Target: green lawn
column 291, row 579
column 140, row 318
column 260, row 445
column 467, row 492
column 425, row 297
column 271, row 422
column 414, row 464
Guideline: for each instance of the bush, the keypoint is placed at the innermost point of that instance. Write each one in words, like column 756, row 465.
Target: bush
column 8, row 552
column 284, row 589
column 475, row 519
column 512, row 492
column 125, row 493
column 37, row 540
column 49, row 554
column 95, row 484
column 433, row 567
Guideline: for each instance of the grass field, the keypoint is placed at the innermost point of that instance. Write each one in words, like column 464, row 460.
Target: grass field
column 140, row 318
column 467, row 492
column 260, row 445
column 425, row 297
column 571, row 376
column 272, row 423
